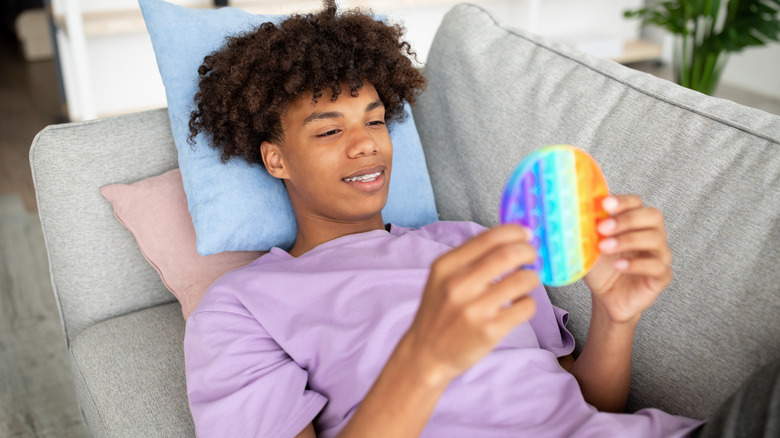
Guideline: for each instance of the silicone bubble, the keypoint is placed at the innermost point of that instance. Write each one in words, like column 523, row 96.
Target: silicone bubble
column 556, row 192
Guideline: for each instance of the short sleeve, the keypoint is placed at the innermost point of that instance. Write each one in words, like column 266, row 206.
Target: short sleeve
column 240, row 382
column 549, row 324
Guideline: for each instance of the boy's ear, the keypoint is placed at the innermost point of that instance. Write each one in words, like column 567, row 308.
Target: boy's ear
column 273, row 160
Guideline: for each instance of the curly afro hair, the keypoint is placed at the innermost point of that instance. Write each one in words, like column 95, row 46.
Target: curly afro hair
column 246, row 86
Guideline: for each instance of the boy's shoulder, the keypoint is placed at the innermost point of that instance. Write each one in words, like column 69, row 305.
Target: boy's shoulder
column 229, row 293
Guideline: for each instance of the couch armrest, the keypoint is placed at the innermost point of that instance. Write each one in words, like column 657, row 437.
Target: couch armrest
column 96, row 267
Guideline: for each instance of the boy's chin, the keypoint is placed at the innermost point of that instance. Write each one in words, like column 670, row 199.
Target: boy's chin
column 370, row 214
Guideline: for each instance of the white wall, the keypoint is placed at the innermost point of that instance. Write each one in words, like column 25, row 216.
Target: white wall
column 123, row 74
column 580, row 17
column 556, row 19
column 755, row 69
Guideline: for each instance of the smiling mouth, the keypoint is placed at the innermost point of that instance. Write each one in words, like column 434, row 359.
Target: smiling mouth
column 370, row 177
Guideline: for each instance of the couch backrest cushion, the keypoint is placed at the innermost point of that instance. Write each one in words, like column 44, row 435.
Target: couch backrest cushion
column 96, row 266
column 712, row 167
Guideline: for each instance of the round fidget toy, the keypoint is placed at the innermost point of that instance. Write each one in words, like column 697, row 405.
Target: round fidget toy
column 556, row 192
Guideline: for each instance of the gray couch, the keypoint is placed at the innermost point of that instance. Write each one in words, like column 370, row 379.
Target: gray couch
column 712, row 166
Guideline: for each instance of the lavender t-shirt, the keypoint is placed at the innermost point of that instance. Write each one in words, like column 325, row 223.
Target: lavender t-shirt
column 286, row 341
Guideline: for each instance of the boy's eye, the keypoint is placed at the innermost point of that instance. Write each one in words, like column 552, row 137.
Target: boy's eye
column 376, row 122
column 331, row 132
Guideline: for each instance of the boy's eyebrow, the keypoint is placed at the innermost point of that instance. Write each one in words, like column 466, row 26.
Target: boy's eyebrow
column 319, row 116
column 336, row 114
column 374, row 105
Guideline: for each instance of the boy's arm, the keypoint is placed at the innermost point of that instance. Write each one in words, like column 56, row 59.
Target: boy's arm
column 307, row 432
column 634, row 268
column 398, row 404
column 462, row 316
column 401, row 400
column 603, row 369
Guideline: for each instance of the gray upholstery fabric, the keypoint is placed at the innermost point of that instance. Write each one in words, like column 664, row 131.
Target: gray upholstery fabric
column 97, row 269
column 712, row 167
column 127, row 362
column 130, row 376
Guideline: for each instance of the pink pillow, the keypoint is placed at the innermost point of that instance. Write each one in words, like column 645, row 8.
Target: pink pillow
column 155, row 211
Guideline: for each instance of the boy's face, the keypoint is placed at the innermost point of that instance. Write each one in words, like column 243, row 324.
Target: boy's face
column 335, row 158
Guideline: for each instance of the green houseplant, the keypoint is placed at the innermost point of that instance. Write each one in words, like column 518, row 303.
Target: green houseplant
column 708, row 30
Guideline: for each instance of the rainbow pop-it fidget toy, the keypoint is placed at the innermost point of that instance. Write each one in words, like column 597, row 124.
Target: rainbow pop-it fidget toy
column 556, row 192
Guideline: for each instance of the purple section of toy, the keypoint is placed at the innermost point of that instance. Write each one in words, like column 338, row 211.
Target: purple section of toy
column 531, row 193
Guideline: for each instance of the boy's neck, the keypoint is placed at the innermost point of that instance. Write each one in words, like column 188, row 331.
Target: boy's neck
column 313, row 232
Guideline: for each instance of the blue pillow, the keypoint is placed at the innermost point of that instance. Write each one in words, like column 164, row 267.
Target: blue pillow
column 238, row 206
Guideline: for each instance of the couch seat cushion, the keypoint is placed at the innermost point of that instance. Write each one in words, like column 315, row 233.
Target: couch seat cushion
column 131, row 370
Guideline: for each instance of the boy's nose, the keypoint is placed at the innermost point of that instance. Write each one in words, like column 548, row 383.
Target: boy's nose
column 363, row 144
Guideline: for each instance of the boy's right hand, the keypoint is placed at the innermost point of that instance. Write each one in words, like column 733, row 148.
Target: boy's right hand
column 475, row 295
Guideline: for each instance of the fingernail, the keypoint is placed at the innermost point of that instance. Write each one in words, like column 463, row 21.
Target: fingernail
column 609, row 203
column 607, row 244
column 606, row 226
column 621, row 264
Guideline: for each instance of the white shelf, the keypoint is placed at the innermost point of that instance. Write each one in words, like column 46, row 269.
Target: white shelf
column 637, row 51
column 120, row 22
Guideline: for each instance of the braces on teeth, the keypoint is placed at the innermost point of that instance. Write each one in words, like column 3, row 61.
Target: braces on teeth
column 362, row 178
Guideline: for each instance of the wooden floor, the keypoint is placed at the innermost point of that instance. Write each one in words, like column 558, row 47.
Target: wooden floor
column 37, row 398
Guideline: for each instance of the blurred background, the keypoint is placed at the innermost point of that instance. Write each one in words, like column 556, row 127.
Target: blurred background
column 105, row 65
column 76, row 60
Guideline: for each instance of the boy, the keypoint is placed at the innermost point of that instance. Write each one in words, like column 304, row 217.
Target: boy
column 367, row 329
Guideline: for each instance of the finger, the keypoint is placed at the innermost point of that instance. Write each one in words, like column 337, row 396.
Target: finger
column 647, row 266
column 652, row 241
column 475, row 279
column 510, row 316
column 616, row 204
column 511, row 288
column 636, row 219
column 477, row 247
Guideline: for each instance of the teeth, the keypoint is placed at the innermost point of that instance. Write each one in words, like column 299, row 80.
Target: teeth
column 371, row 177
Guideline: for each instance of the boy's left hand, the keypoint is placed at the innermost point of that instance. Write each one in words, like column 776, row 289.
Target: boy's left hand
column 635, row 262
